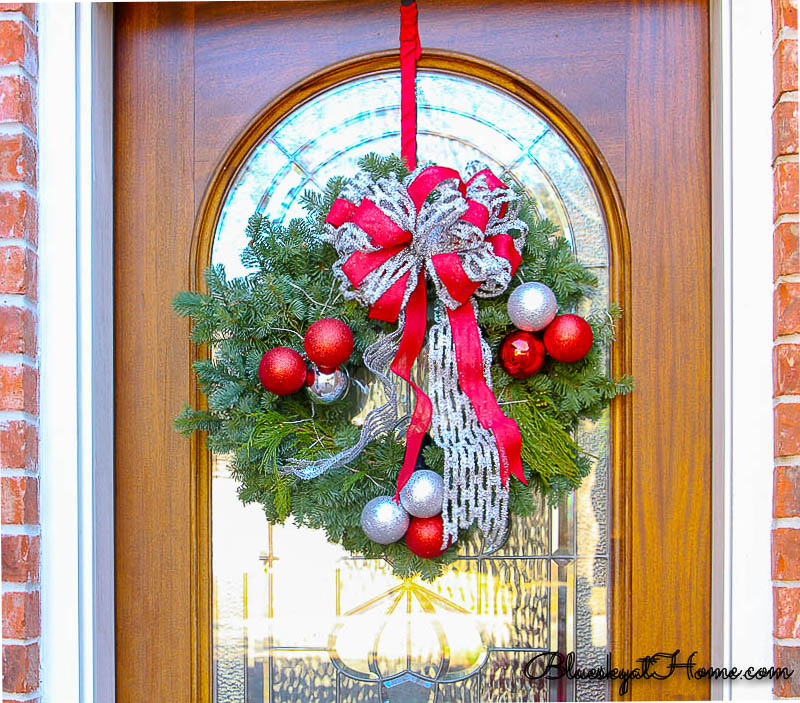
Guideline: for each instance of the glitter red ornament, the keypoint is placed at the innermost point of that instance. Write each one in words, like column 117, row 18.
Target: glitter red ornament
column 522, row 354
column 568, row 338
column 282, row 371
column 424, row 536
column 328, row 343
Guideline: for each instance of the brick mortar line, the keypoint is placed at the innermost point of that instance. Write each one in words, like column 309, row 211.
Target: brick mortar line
column 784, row 33
column 23, row 697
column 787, row 641
column 13, row 129
column 17, row 71
column 26, row 530
column 788, row 399
column 18, row 300
column 21, row 587
column 21, row 642
column 784, row 523
column 19, row 242
column 17, row 473
column 15, row 15
column 786, row 339
column 792, row 462
column 784, row 218
column 784, row 159
column 17, row 415
column 10, row 360
column 785, row 584
column 787, row 278
column 18, row 187
column 781, row 99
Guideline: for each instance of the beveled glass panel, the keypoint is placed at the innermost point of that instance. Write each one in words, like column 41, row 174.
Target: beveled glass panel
column 504, row 681
column 298, row 619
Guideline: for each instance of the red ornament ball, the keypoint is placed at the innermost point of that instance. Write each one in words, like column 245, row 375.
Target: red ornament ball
column 568, row 338
column 424, row 536
column 522, row 354
column 282, row 371
column 329, row 343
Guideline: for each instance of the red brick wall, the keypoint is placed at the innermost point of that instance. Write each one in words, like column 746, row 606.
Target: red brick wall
column 19, row 376
column 786, row 355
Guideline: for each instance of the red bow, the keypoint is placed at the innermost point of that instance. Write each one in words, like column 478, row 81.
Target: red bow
column 389, row 239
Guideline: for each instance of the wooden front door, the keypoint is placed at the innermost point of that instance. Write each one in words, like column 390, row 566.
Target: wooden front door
column 633, row 75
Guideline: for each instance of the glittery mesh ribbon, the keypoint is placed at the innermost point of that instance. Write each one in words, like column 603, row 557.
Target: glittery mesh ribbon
column 391, row 237
column 473, row 489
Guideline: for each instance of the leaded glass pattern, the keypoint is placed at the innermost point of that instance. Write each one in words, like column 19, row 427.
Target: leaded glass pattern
column 296, row 618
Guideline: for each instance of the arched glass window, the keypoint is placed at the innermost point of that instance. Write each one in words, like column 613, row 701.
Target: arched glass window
column 296, row 618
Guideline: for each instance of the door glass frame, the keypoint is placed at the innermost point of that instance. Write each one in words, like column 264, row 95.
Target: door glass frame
column 609, row 200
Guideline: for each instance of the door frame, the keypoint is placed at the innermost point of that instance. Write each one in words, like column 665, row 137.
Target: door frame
column 76, row 78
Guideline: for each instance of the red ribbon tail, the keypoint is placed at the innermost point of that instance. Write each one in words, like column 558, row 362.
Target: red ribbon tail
column 469, row 360
column 410, row 347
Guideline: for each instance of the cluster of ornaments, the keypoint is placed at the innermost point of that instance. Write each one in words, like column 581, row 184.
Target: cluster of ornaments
column 328, row 344
column 417, row 516
column 532, row 308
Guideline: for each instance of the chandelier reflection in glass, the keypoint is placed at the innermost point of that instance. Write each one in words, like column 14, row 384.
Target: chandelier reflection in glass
column 419, row 640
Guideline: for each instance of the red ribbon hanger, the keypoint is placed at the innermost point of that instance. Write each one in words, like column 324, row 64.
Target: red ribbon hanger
column 410, row 52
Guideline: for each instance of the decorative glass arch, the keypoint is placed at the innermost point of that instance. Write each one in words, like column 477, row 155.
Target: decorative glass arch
column 294, row 617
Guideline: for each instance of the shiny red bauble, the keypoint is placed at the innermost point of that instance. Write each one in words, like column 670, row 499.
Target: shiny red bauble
column 282, row 371
column 522, row 354
column 329, row 343
column 424, row 536
column 568, row 338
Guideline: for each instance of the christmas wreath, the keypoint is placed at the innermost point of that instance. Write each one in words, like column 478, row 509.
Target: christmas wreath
column 310, row 351
column 299, row 389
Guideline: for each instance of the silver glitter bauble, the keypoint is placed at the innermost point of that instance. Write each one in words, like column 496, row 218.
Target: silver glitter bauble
column 532, row 306
column 383, row 520
column 422, row 496
column 328, row 387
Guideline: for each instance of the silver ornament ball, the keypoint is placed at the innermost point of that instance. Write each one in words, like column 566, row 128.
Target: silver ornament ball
column 327, row 388
column 383, row 520
column 423, row 495
column 532, row 306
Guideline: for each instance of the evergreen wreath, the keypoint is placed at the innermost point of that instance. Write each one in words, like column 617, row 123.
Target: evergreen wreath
column 293, row 285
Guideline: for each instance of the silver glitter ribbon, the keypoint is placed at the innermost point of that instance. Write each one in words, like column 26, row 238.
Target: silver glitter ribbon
column 473, row 490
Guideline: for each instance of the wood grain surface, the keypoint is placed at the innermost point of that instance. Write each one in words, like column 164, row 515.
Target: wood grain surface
column 188, row 80
column 154, row 211
column 667, row 196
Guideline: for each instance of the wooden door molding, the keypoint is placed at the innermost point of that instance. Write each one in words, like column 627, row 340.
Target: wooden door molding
column 610, row 200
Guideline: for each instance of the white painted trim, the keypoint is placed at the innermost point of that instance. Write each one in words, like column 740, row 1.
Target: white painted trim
column 76, row 333
column 58, row 326
column 720, row 37
column 97, row 177
column 741, row 69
